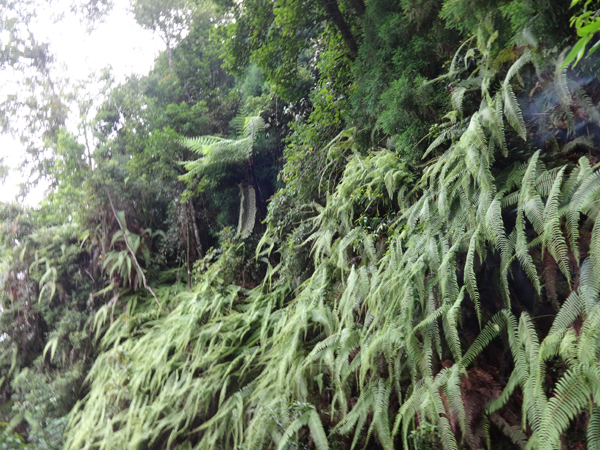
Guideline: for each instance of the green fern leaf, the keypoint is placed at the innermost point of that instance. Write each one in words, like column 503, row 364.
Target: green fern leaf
column 316, row 431
column 593, row 429
column 570, row 397
column 512, row 111
column 553, row 236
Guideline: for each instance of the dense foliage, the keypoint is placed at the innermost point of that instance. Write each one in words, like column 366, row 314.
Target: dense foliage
column 318, row 224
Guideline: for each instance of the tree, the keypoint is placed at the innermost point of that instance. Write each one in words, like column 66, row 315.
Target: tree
column 218, row 154
column 169, row 18
column 283, row 37
column 36, row 108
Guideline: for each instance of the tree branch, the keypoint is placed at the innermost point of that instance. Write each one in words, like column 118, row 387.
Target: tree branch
column 333, row 11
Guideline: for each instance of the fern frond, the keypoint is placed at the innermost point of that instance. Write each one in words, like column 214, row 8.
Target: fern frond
column 593, row 430
column 293, row 428
column 316, row 431
column 595, row 246
column 453, row 131
column 515, row 69
column 514, row 433
column 588, row 190
column 253, row 126
column 511, row 385
column 553, row 236
column 457, row 98
column 201, row 144
column 585, row 142
column 571, row 395
column 470, row 278
column 489, row 332
column 512, row 111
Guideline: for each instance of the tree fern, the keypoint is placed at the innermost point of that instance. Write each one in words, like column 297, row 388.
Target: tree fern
column 247, row 212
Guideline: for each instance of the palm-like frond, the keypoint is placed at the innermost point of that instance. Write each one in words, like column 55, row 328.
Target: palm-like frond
column 217, row 153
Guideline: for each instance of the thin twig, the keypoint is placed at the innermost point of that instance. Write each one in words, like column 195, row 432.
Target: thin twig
column 131, row 250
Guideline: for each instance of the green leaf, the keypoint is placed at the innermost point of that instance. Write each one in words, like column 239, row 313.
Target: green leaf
column 589, row 29
column 576, row 52
column 316, row 431
column 51, row 345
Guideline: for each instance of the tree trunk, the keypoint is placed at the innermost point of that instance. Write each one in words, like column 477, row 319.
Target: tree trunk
column 170, row 56
column 335, row 15
column 189, row 270
column 192, row 218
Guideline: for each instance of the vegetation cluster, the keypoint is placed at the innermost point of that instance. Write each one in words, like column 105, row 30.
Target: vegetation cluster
column 315, row 224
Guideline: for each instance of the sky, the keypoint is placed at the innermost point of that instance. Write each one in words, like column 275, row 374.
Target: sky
column 119, row 42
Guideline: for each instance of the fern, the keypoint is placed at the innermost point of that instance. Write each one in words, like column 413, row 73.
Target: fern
column 381, row 331
column 593, row 429
column 310, row 418
column 571, row 396
column 512, row 111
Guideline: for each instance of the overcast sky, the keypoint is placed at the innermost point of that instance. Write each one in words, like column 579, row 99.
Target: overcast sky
column 119, row 42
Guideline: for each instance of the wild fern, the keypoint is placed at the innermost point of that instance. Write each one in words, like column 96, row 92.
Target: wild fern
column 217, row 154
column 395, row 320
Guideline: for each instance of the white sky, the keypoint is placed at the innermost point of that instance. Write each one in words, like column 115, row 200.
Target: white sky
column 119, row 42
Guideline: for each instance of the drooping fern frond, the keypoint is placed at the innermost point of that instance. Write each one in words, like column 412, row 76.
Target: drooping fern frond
column 593, row 429
column 555, row 240
column 512, row 111
column 312, row 419
column 570, row 397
